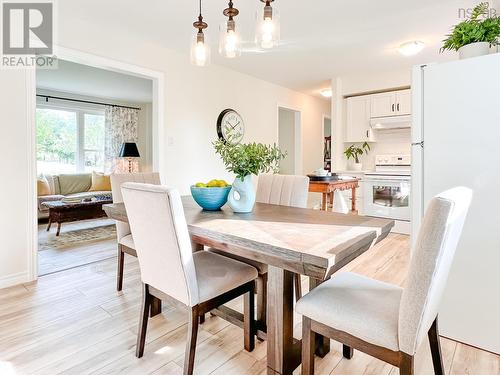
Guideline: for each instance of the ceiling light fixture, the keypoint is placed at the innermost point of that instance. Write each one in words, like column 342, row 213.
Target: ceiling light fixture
column 200, row 50
column 327, row 93
column 267, row 33
column 229, row 38
column 411, row 48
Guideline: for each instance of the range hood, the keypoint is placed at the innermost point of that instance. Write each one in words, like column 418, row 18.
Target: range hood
column 392, row 122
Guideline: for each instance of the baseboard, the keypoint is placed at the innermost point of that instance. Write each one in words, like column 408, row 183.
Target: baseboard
column 14, row 279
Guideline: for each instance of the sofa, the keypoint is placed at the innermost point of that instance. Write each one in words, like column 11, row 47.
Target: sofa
column 69, row 186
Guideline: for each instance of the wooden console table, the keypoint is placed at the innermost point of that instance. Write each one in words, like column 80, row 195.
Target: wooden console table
column 327, row 188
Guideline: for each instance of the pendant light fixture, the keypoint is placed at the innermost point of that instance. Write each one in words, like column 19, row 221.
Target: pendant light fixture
column 267, row 33
column 229, row 38
column 200, row 50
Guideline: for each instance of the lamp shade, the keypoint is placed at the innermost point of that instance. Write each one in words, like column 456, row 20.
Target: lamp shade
column 129, row 150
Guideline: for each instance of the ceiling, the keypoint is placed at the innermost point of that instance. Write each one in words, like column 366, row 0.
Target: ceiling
column 321, row 39
column 85, row 80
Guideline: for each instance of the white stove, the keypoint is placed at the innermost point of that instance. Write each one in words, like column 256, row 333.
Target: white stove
column 391, row 166
column 387, row 189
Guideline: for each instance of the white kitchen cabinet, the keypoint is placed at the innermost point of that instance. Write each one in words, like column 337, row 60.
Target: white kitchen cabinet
column 383, row 104
column 403, row 102
column 393, row 103
column 358, row 120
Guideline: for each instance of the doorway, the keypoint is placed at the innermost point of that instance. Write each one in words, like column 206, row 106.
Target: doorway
column 289, row 140
column 152, row 149
column 327, row 143
column 77, row 109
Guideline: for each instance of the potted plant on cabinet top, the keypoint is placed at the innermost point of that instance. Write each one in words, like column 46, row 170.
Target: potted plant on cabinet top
column 354, row 152
column 244, row 160
column 474, row 36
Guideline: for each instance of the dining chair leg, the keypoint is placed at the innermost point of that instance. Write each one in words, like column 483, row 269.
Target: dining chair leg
column 191, row 340
column 262, row 301
column 308, row 347
column 347, row 351
column 119, row 273
column 249, row 320
column 202, row 318
column 437, row 358
column 155, row 308
column 406, row 365
column 143, row 321
column 298, row 287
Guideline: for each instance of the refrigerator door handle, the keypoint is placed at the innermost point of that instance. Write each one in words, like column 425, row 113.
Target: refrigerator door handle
column 421, row 144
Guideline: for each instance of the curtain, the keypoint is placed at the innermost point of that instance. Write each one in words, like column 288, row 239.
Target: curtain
column 121, row 126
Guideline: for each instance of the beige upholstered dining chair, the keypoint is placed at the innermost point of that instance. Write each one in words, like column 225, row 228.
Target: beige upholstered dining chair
column 123, row 234
column 282, row 190
column 384, row 320
column 170, row 270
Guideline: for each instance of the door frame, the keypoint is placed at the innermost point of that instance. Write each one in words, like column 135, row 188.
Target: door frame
column 158, row 115
column 298, row 161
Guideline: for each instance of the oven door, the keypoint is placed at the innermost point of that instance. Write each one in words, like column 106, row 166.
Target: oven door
column 389, row 198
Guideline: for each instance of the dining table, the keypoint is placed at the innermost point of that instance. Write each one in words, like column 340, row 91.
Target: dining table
column 290, row 241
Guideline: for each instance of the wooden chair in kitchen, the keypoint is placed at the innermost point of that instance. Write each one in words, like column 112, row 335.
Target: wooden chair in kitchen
column 170, row 270
column 123, row 234
column 384, row 320
column 282, row 190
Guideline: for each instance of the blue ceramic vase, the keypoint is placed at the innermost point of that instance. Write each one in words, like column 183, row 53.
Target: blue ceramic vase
column 242, row 195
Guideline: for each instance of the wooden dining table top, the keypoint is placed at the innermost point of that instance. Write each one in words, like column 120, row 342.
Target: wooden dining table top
column 305, row 241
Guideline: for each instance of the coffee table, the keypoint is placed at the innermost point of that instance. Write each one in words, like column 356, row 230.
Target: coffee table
column 60, row 212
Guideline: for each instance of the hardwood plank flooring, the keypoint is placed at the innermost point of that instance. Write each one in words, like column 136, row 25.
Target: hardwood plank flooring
column 55, row 259
column 74, row 322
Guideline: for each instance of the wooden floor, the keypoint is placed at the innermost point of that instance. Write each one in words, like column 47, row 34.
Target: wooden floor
column 78, row 254
column 74, row 322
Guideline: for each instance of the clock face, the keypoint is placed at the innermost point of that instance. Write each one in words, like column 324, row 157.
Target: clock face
column 230, row 126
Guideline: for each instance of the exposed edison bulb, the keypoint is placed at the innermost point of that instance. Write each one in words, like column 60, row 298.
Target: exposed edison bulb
column 200, row 51
column 229, row 42
column 267, row 33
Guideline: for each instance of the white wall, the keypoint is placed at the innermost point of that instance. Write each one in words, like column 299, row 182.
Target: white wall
column 193, row 97
column 17, row 185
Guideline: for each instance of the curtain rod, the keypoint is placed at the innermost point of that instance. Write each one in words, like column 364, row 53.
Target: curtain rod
column 47, row 97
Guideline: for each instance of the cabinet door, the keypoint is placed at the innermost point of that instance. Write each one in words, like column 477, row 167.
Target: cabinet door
column 403, row 102
column 383, row 104
column 358, row 119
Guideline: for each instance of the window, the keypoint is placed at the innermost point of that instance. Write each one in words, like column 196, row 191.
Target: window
column 69, row 140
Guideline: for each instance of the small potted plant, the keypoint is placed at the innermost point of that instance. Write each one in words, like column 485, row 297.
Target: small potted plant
column 244, row 160
column 474, row 36
column 354, row 152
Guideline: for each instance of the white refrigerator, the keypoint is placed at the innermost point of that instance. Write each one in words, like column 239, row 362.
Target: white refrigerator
column 456, row 142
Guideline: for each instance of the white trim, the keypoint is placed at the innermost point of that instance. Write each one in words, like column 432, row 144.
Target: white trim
column 14, row 279
column 32, row 217
column 158, row 108
column 417, row 153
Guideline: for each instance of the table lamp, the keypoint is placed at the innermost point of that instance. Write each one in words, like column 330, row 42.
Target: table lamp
column 129, row 151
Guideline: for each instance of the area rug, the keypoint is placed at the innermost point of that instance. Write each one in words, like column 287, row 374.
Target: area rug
column 77, row 237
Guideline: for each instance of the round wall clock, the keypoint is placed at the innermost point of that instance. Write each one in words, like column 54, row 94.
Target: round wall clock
column 230, row 126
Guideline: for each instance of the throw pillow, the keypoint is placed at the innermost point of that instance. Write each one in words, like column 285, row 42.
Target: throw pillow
column 42, row 186
column 100, row 182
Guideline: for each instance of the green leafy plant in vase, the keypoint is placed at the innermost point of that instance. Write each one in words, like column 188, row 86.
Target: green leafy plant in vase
column 474, row 36
column 244, row 160
column 353, row 152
